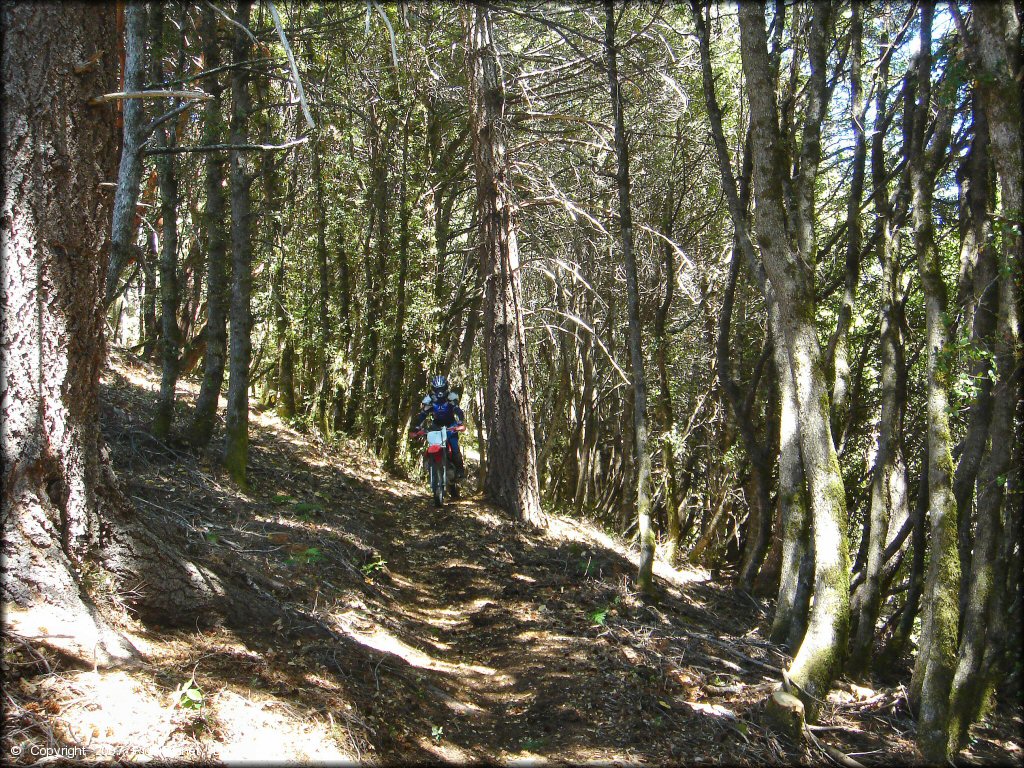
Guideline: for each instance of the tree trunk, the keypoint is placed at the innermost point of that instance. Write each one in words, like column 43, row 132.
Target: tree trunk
column 979, row 265
column 323, row 294
column 150, row 257
column 236, row 437
column 641, row 455
column 933, row 671
column 818, row 659
column 62, row 509
column 125, row 223
column 997, row 56
column 167, row 182
column 668, row 454
column 396, row 365
column 216, row 248
column 56, row 477
column 893, row 391
column 511, row 479
column 839, row 353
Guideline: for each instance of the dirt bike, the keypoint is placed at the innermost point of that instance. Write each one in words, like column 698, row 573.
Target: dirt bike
column 438, row 464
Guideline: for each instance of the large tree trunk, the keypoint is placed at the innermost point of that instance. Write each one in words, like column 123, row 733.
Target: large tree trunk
column 57, row 483
column 818, row 659
column 641, row 456
column 62, row 509
column 125, row 226
column 216, row 249
column 236, row 437
column 511, row 479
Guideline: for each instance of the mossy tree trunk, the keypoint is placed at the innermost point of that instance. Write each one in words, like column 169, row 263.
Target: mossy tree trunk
column 933, row 670
column 789, row 269
column 867, row 600
column 996, row 57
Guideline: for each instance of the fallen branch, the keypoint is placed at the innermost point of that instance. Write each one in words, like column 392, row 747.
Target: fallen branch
column 163, row 94
column 228, row 147
column 838, row 757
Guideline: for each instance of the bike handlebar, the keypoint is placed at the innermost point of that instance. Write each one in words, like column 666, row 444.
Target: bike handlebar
column 421, row 432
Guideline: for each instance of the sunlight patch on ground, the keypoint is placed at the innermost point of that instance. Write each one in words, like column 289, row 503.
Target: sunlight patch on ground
column 253, row 731
column 568, row 529
column 379, row 639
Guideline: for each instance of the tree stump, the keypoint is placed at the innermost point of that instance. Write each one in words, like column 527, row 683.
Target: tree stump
column 785, row 714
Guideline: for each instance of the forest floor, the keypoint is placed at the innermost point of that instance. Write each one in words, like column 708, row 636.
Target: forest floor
column 452, row 634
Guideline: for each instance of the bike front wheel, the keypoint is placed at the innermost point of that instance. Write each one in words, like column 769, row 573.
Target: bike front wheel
column 437, row 480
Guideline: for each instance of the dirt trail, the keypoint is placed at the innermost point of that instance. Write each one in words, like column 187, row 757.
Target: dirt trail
column 409, row 633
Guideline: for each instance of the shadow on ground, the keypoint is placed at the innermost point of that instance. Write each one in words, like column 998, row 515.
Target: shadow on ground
column 409, row 633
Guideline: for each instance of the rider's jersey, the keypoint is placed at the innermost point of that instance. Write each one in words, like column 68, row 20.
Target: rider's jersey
column 444, row 413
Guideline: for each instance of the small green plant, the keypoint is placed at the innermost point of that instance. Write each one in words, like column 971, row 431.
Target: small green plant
column 437, row 733
column 308, row 556
column 373, row 566
column 598, row 616
column 189, row 695
column 533, row 743
column 211, row 537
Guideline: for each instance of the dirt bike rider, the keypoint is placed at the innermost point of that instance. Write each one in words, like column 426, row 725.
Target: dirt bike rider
column 443, row 407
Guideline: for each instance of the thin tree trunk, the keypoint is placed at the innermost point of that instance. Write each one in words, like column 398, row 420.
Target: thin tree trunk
column 933, row 671
column 149, row 325
column 511, row 478
column 642, row 457
column 125, row 222
column 216, row 249
column 167, row 182
column 236, row 436
column 396, row 366
column 839, row 353
column 323, row 294
column 893, row 390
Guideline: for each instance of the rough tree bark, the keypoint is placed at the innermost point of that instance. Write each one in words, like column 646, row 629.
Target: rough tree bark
column 511, row 479
column 236, row 433
column 167, row 182
column 63, row 513
column 216, row 247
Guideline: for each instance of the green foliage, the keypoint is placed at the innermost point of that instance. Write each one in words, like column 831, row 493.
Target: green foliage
column 308, row 556
column 437, row 733
column 188, row 695
column 377, row 564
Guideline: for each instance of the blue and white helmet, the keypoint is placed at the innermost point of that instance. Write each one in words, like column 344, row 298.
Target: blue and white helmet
column 439, row 385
